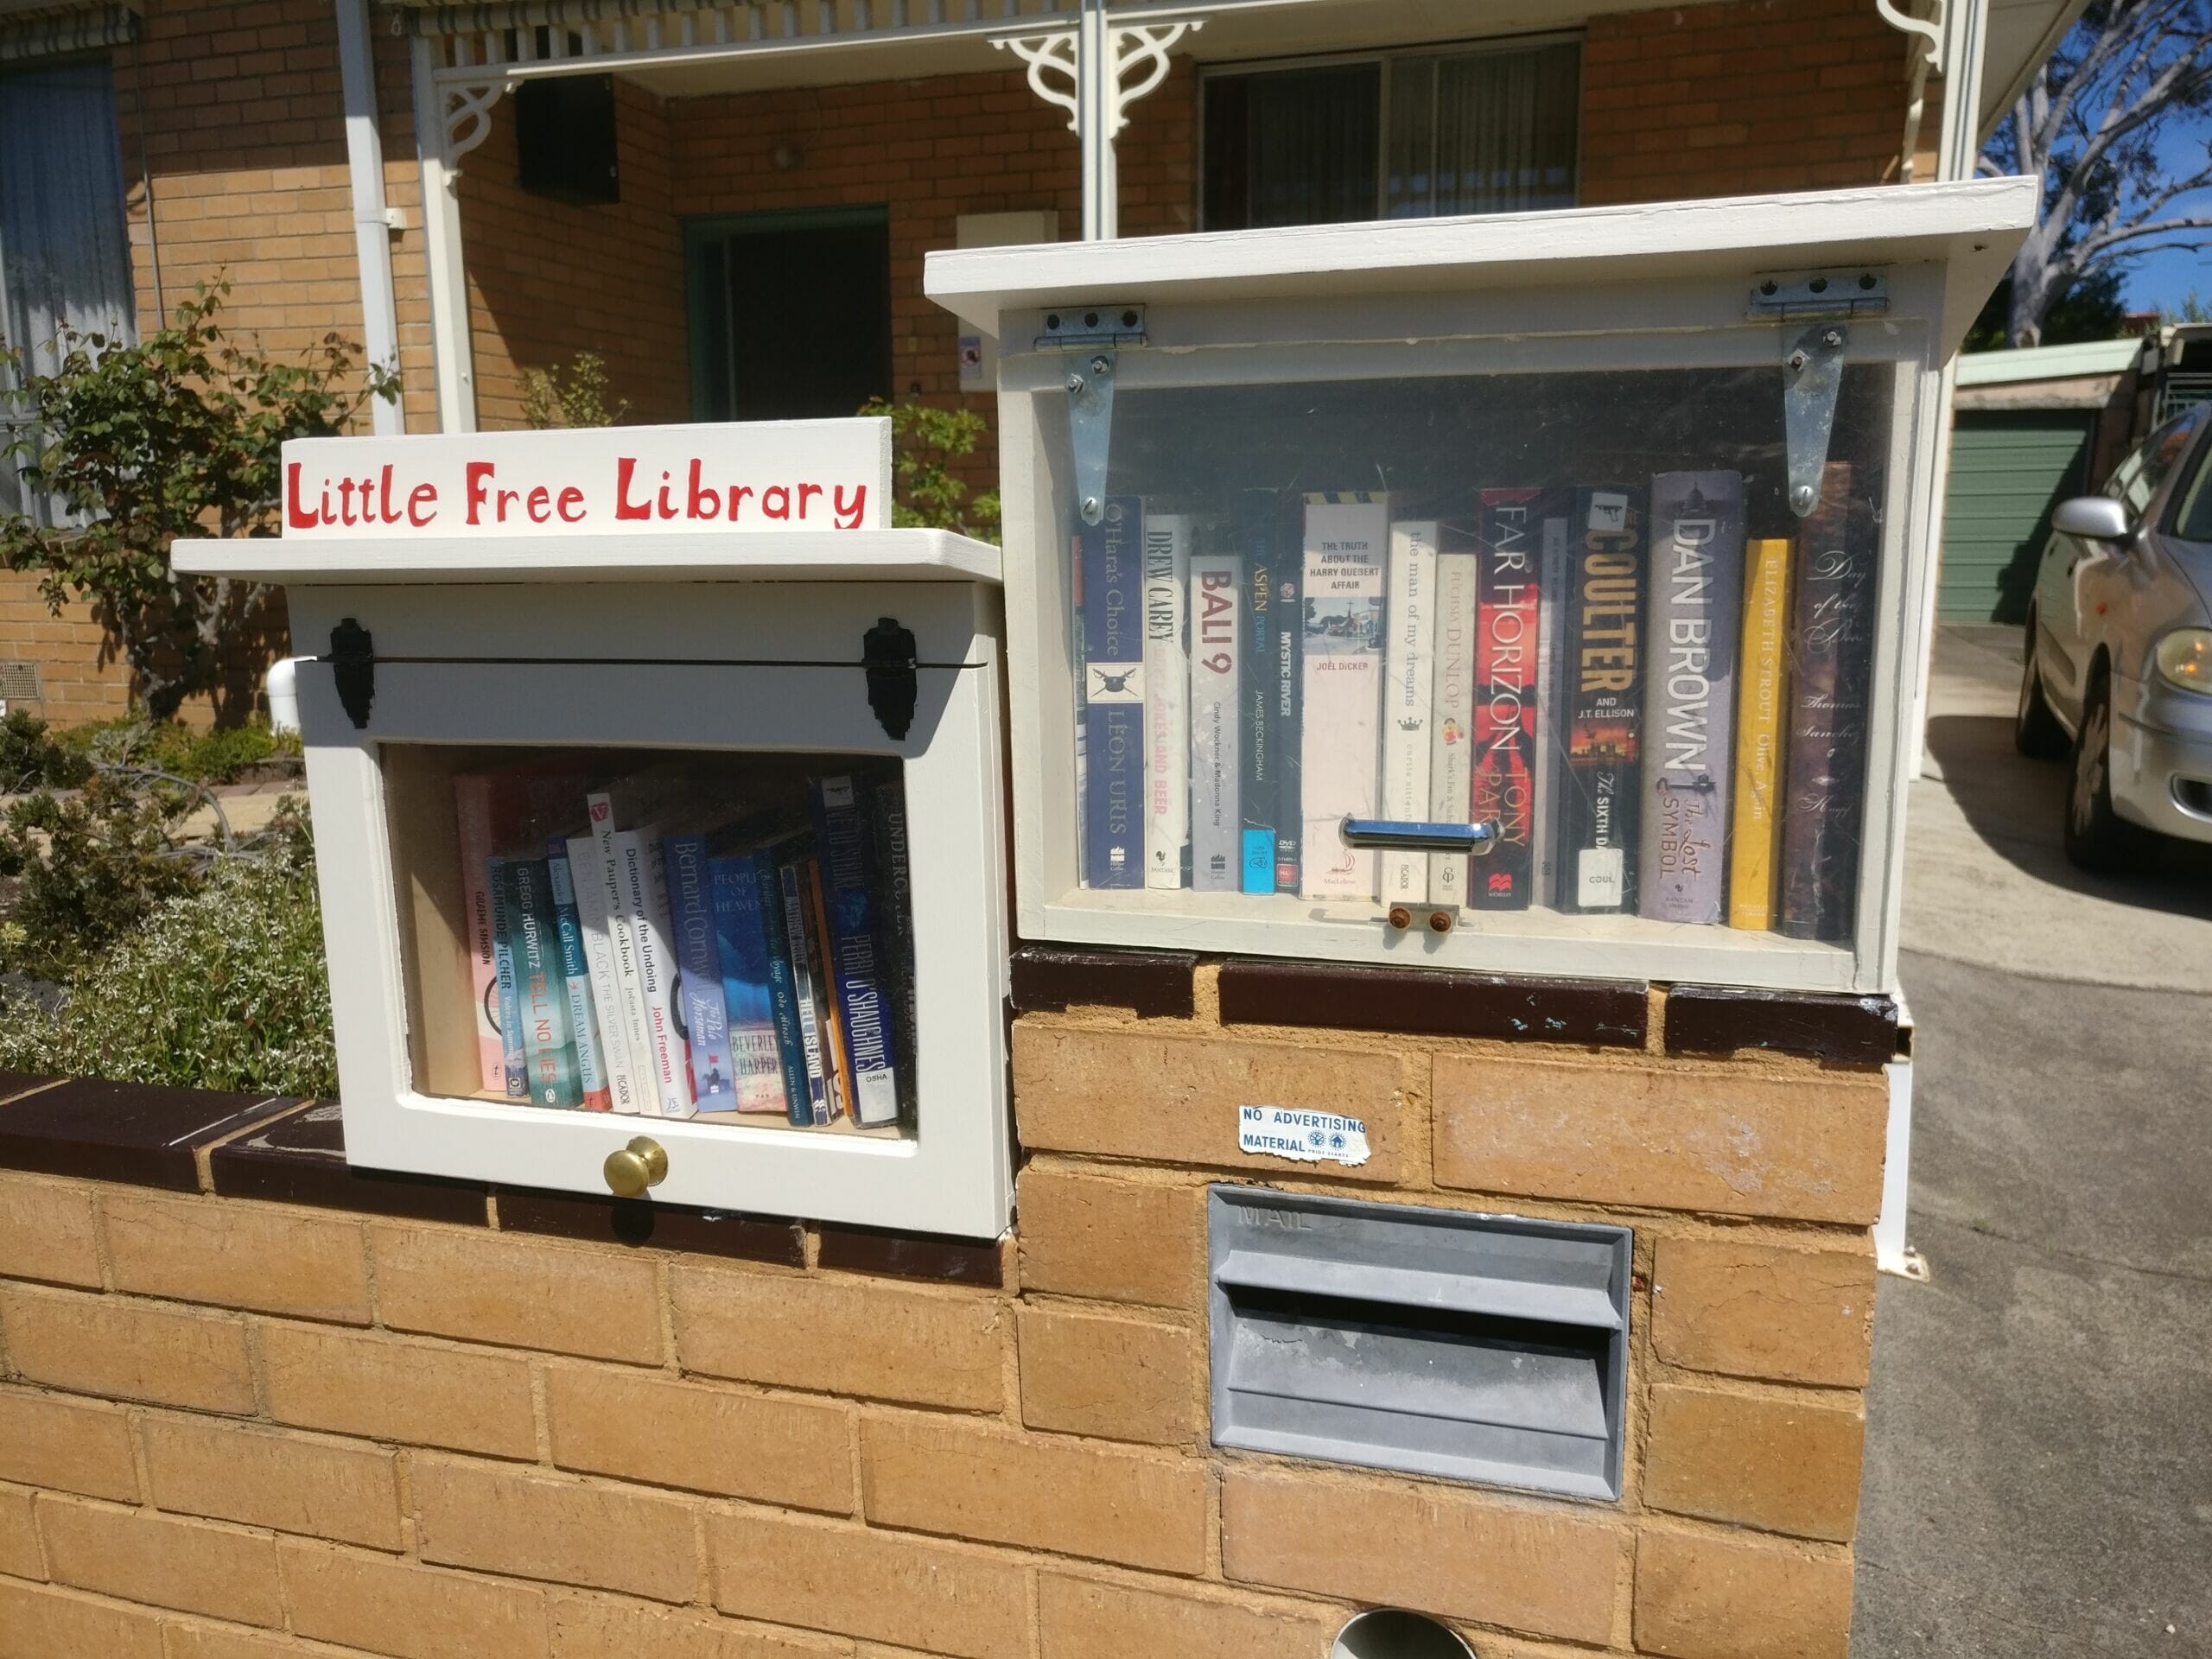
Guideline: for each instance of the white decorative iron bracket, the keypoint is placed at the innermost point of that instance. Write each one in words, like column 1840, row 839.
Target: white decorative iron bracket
column 1106, row 66
column 467, row 110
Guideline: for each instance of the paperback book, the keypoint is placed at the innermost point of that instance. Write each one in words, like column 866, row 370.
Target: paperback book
column 1452, row 720
column 699, row 974
column 1166, row 701
column 1345, row 570
column 1604, row 710
column 1217, row 827
column 1409, row 695
column 1507, row 551
column 1113, row 696
column 1763, row 679
column 584, row 1018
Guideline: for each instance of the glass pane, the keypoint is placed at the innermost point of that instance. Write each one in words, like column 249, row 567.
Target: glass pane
column 720, row 936
column 1409, row 182
column 1292, row 147
column 1505, row 130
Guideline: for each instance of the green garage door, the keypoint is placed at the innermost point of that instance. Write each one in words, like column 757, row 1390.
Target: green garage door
column 2009, row 468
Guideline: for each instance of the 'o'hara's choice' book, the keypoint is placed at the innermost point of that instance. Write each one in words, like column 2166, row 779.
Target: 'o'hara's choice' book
column 1551, row 659
column 808, row 986
column 1166, row 700
column 1408, row 694
column 699, row 973
column 866, row 1024
column 549, row 1055
column 1509, row 541
column 1113, row 696
column 751, row 990
column 1762, row 682
column 1451, row 720
column 584, row 1021
column 624, row 1080
column 1216, row 644
column 1339, row 771
column 1597, row 825
column 644, row 892
column 1832, row 664
column 1697, row 576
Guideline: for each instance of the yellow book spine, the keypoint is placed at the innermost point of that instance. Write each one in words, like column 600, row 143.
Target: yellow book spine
column 1756, row 826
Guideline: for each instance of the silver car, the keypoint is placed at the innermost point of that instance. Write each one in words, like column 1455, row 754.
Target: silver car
column 2119, row 658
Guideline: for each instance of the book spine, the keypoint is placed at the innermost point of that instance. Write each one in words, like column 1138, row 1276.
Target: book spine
column 791, row 882
column 1341, row 660
column 540, row 985
column 867, row 1029
column 514, row 1065
column 1697, row 574
column 834, row 1065
column 1283, row 514
column 1755, row 829
column 895, row 911
column 1452, row 720
column 1604, row 711
column 1166, row 701
column 644, row 890
column 1113, row 696
column 1259, row 732
column 472, row 810
column 622, row 1075
column 759, row 1080
column 698, row 996
column 1832, row 659
column 622, row 940
column 1551, row 748
column 583, row 1024
column 1217, row 827
column 1408, row 693
column 1507, row 579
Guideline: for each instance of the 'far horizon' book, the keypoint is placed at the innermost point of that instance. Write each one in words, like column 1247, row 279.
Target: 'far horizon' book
column 1508, row 548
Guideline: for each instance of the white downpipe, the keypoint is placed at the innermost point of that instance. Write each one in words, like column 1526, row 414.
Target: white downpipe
column 372, row 224
column 456, row 376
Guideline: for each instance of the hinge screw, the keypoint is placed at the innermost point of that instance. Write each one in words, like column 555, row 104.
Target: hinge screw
column 1833, row 339
column 1076, row 383
column 1802, row 498
column 1797, row 362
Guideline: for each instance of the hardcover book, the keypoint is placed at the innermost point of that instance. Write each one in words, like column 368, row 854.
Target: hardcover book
column 1763, row 680
column 866, row 1026
column 1452, row 720
column 809, row 987
column 1409, row 692
column 1697, row 576
column 1217, row 826
column 1603, row 702
column 1113, row 696
column 699, row 973
column 1508, row 550
column 584, row 1021
column 624, row 1081
column 541, row 988
column 1551, row 659
column 1341, row 659
column 755, row 998
column 645, row 892
column 1166, row 701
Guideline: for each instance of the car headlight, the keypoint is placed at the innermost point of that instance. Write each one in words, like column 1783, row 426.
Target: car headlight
column 2185, row 658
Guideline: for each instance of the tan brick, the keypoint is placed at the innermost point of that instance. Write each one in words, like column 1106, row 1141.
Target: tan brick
column 415, row 1613
column 1782, row 1465
column 1729, row 1595
column 390, row 1389
column 1748, row 1142
column 189, row 1640
column 128, row 1349
column 237, row 1254
column 46, row 1231
column 587, row 1626
column 1756, row 1310
column 52, row 1623
column 707, row 1439
column 455, row 1283
column 1138, row 1508
column 1174, row 1099
column 191, row 1566
column 70, row 1445
column 1123, row 1379
column 19, row 1553
column 271, row 1479
column 575, row 1532
column 833, row 1576
column 849, row 1336
column 1124, row 1240
column 1451, row 1553
column 1083, row 1618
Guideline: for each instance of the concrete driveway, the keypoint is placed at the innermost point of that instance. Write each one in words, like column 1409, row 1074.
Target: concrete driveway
column 2039, row 1438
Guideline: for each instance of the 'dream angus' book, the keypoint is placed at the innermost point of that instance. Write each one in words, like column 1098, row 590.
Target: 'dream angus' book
column 1339, row 763
column 1763, row 679
column 1409, row 695
column 1689, row 692
column 1508, row 550
column 1113, row 696
column 584, row 1018
column 1217, row 827
column 1596, row 825
column 1166, row 701
column 1551, row 658
column 699, row 973
column 1452, row 720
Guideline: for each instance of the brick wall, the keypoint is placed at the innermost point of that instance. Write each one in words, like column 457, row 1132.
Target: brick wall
column 245, row 1428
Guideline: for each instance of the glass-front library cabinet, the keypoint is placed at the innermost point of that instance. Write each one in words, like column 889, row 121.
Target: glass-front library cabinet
column 657, row 807
column 1543, row 592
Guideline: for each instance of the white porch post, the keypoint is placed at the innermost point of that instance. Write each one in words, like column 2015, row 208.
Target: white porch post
column 450, row 122
column 371, row 221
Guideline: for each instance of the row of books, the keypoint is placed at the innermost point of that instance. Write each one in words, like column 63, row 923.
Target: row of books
column 754, row 967
column 1664, row 717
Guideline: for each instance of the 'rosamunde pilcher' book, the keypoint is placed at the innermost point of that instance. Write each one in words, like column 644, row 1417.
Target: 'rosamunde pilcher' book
column 1340, row 771
column 1696, row 605
column 1216, row 647
column 1508, row 555
column 1597, row 826
column 1113, row 696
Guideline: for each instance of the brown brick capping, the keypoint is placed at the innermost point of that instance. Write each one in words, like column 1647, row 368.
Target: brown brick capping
column 1849, row 1030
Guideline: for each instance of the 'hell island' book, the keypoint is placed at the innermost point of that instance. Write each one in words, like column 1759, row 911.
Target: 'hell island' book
column 1339, row 773
column 1409, row 695
column 1166, row 700
column 1832, row 665
column 1754, row 830
column 1217, row 829
column 1508, row 550
column 1113, row 696
column 1452, row 720
column 1597, row 826
column 1697, row 576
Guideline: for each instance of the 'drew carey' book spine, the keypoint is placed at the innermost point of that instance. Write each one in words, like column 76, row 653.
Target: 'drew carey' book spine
column 1341, row 657
column 1166, row 701
column 1597, row 825
column 1507, row 540
column 1408, row 699
column 1216, row 829
column 1113, row 696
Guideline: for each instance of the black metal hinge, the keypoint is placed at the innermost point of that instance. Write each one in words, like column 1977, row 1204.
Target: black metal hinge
column 353, row 667
column 887, row 656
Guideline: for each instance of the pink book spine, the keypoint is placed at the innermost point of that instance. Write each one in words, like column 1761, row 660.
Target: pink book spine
column 473, row 810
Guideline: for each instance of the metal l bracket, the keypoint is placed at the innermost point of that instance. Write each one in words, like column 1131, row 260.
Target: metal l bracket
column 353, row 668
column 1812, row 374
column 1091, row 425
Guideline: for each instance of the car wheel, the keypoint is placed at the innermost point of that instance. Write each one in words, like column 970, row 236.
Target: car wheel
column 2036, row 731
column 2097, row 838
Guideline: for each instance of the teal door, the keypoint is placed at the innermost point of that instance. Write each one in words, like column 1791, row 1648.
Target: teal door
column 2009, row 468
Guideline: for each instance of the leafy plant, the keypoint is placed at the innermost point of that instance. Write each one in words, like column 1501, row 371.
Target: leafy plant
column 31, row 759
column 219, row 756
column 925, row 441
column 178, row 434
column 88, row 867
column 576, row 396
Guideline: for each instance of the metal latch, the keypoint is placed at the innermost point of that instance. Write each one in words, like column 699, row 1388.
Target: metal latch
column 1413, row 836
column 1090, row 335
column 353, row 668
column 1812, row 361
column 888, row 658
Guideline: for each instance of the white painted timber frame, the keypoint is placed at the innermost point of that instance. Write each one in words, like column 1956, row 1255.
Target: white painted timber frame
column 1662, row 286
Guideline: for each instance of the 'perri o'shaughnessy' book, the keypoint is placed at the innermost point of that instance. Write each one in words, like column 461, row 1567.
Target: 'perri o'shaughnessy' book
column 1754, row 832
column 1113, row 696
column 1697, row 576
column 1452, row 720
column 699, row 973
column 1597, row 825
column 549, row 1058
column 1166, row 700
column 1216, row 831
column 1832, row 665
column 866, row 1024
column 1508, row 548
column 1339, row 771
column 583, row 1019
column 1408, row 694
column 1551, row 659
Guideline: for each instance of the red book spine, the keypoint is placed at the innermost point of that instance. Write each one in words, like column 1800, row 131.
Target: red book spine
column 1508, row 585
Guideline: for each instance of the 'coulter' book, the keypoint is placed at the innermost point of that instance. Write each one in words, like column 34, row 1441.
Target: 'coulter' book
column 1597, row 826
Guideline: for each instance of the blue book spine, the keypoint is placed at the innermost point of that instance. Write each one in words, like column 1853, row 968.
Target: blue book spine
column 806, row 987
column 750, row 990
column 698, row 965
column 894, row 911
column 868, row 1024
column 783, row 987
column 1113, row 696
column 1259, row 793
column 503, row 968
column 583, row 1022
column 541, row 988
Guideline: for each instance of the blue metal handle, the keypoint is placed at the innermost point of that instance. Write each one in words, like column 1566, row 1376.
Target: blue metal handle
column 1411, row 836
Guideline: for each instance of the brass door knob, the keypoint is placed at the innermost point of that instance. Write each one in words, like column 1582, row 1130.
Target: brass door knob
column 637, row 1166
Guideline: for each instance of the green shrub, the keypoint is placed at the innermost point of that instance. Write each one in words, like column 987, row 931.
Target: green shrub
column 925, row 442
column 31, row 757
column 205, row 757
column 88, row 867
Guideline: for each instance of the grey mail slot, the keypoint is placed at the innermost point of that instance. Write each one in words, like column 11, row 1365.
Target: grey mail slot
column 1485, row 1348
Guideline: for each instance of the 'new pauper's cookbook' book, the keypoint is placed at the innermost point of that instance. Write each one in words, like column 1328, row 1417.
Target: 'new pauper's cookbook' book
column 1338, row 775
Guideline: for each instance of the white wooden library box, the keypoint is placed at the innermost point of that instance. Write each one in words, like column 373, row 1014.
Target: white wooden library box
column 657, row 794
column 1544, row 594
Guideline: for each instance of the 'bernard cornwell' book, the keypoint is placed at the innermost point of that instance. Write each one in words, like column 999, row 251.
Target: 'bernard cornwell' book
column 1697, row 581
column 1596, row 823
column 1408, row 694
column 1113, row 696
column 1508, row 545
column 1342, row 656
column 1166, row 701
column 1217, row 827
